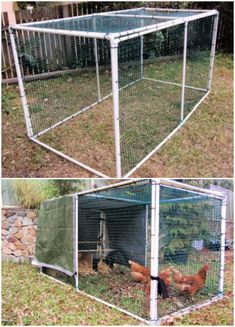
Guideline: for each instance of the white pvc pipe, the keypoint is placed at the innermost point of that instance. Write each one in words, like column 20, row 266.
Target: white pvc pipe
column 97, row 69
column 55, row 20
column 192, row 189
column 120, row 11
column 122, row 36
column 166, row 139
column 139, row 16
column 97, row 63
column 141, row 55
column 114, row 307
column 102, row 188
column 99, row 300
column 188, row 310
column 115, row 86
column 184, row 71
column 146, row 234
column 62, row 32
column 21, row 86
column 222, row 251
column 176, row 84
column 213, row 47
column 176, row 10
column 76, row 241
column 61, row 154
column 155, row 201
column 134, row 32
column 179, row 313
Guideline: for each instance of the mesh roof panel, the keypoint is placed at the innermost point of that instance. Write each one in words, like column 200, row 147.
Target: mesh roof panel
column 100, row 24
column 170, row 13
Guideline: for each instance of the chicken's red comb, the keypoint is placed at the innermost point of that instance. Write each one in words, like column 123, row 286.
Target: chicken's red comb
column 206, row 267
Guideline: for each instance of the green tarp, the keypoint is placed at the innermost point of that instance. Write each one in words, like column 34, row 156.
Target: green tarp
column 56, row 235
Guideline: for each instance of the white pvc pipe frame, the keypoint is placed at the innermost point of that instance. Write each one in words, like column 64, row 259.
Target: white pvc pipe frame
column 155, row 207
column 114, row 39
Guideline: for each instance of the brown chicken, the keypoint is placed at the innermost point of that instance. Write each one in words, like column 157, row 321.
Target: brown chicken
column 141, row 274
column 192, row 283
column 165, row 275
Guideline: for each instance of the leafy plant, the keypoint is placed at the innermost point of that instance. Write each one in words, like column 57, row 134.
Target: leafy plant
column 30, row 193
column 59, row 187
column 153, row 44
column 181, row 224
column 28, row 55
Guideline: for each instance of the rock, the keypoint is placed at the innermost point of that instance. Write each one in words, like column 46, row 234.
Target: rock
column 19, row 235
column 25, row 253
column 31, row 214
column 12, row 219
column 5, row 232
column 36, row 221
column 21, row 213
column 18, row 223
column 19, row 245
column 28, row 239
column 31, row 249
column 5, row 243
column 13, row 230
column 5, row 224
column 18, row 253
column 12, row 246
column 27, row 221
column 4, row 212
column 6, row 250
column 12, row 239
column 25, row 231
column 32, row 231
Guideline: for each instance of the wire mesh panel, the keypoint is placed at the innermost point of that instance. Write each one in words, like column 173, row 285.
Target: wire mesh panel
column 189, row 244
column 149, row 102
column 199, row 43
column 113, row 230
column 70, row 80
column 157, row 12
column 100, row 24
column 69, row 76
column 67, row 69
column 121, row 250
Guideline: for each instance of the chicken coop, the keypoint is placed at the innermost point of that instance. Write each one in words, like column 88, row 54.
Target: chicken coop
column 150, row 248
column 106, row 91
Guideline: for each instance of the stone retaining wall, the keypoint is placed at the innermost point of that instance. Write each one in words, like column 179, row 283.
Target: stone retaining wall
column 19, row 227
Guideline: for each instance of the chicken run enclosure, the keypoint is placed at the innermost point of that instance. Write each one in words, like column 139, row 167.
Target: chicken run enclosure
column 102, row 240
column 107, row 90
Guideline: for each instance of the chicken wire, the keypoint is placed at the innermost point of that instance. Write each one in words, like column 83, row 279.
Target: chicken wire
column 115, row 226
column 189, row 238
column 157, row 12
column 68, row 81
column 179, row 231
column 158, row 79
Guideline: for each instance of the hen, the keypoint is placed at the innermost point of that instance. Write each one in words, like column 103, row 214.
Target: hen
column 192, row 283
column 141, row 274
column 165, row 275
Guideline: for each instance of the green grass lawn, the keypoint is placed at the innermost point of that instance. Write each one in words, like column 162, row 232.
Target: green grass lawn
column 29, row 298
column 202, row 148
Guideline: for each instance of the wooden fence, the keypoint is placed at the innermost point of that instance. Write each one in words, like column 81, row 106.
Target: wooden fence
column 224, row 40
